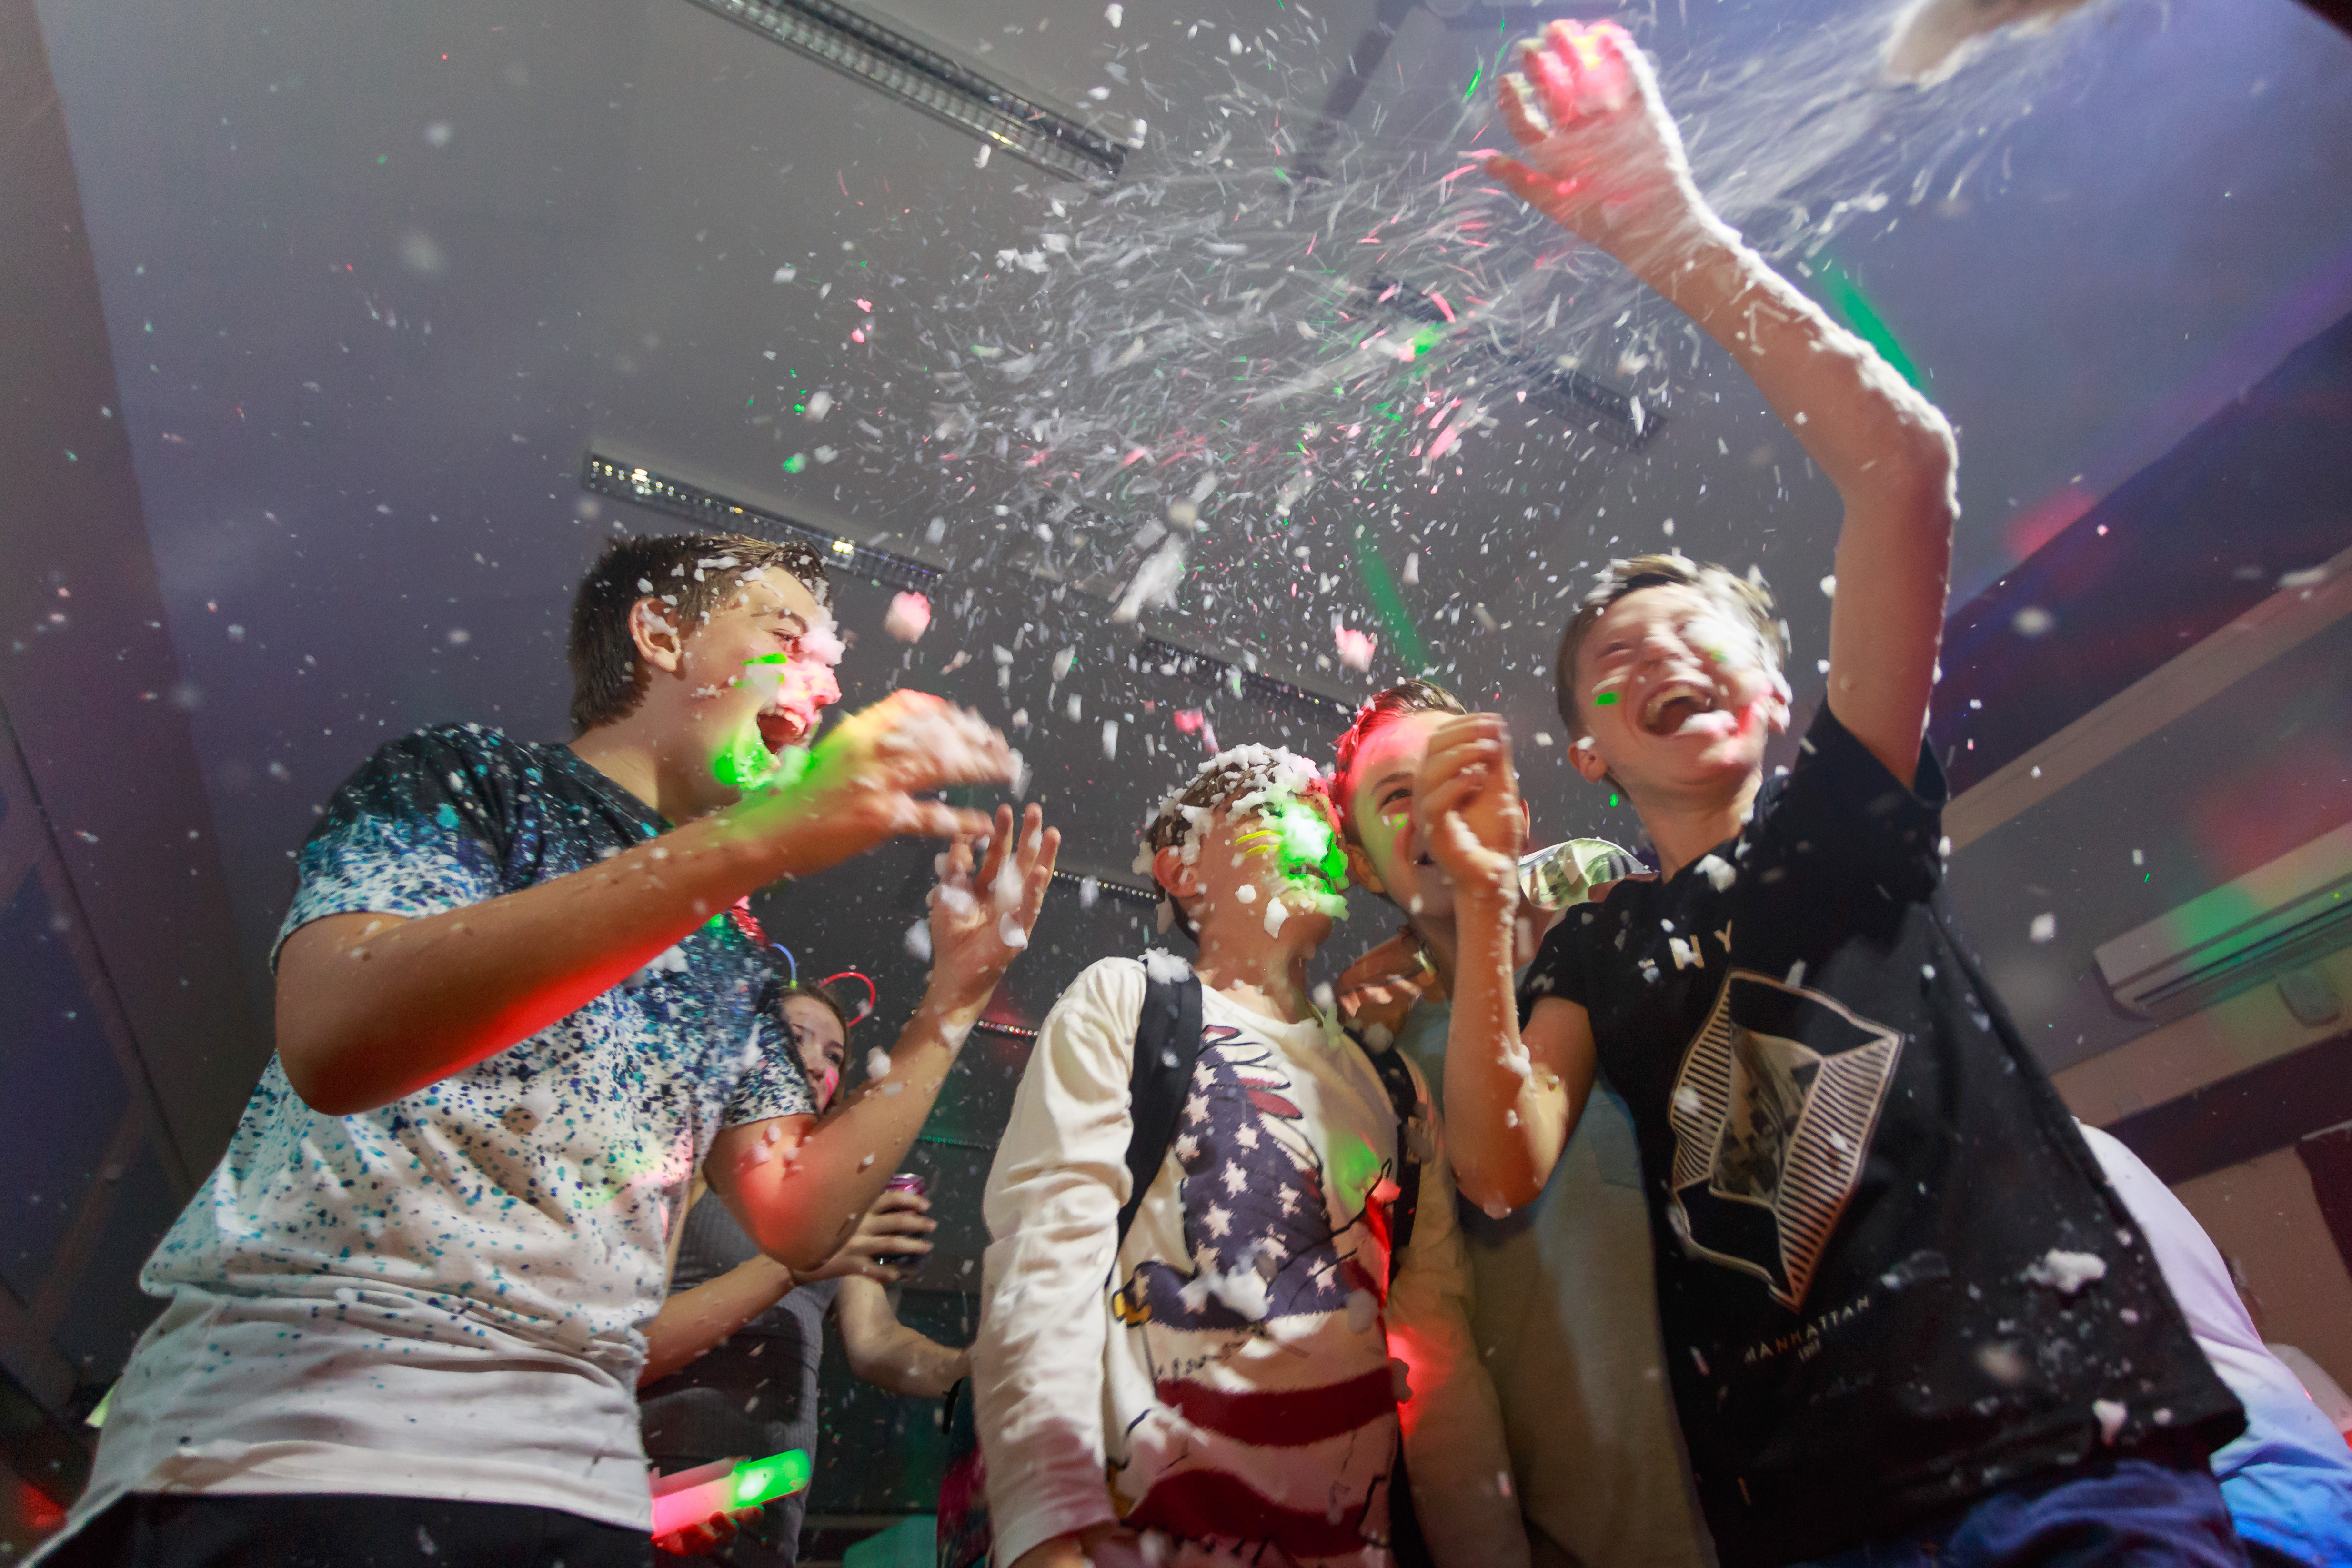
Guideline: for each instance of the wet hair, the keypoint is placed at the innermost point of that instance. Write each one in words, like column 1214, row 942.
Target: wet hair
column 1747, row 597
column 690, row 572
column 1238, row 774
column 1405, row 697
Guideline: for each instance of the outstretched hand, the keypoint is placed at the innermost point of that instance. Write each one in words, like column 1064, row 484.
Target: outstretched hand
column 980, row 925
column 862, row 781
column 1602, row 155
column 1466, row 805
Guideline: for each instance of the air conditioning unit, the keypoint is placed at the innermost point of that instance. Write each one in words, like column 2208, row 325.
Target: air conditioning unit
column 2274, row 918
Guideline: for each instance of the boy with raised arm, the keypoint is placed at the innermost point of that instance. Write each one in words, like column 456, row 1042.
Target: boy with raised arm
column 1905, row 1318
column 1200, row 1371
column 520, row 1000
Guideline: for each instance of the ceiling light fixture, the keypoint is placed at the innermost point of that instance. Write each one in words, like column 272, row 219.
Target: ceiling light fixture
column 1207, row 669
column 917, row 74
column 645, row 486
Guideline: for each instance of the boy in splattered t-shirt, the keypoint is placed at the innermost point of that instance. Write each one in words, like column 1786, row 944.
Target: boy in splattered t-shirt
column 519, row 1002
column 1905, row 1320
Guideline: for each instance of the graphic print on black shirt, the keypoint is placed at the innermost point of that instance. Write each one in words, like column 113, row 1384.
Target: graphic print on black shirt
column 1771, row 1133
column 1891, row 1277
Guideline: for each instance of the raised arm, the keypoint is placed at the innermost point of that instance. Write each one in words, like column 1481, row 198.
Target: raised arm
column 1604, row 159
column 800, row 1185
column 1511, row 1101
column 371, row 1008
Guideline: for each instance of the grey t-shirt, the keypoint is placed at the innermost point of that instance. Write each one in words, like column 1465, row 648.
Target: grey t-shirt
column 1565, row 1313
column 752, row 1397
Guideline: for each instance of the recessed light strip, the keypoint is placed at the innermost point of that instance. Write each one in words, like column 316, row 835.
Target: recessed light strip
column 915, row 74
column 709, row 509
column 1206, row 669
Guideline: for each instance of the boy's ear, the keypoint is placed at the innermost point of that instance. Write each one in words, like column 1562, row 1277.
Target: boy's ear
column 1359, row 868
column 1586, row 758
column 1175, row 878
column 1777, row 716
column 659, row 644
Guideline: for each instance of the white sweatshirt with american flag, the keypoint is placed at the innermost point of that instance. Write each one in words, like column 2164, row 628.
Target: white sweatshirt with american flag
column 1228, row 1386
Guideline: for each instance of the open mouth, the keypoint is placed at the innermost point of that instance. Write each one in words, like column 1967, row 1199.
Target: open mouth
column 1674, row 704
column 778, row 730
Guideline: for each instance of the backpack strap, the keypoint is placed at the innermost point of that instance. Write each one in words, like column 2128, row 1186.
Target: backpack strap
column 1167, row 1047
column 1397, row 1078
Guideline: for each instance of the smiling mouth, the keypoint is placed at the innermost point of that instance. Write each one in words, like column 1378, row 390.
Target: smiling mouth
column 1674, row 704
column 778, row 730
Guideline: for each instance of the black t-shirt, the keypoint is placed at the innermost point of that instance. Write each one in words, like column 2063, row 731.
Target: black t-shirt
column 1890, row 1274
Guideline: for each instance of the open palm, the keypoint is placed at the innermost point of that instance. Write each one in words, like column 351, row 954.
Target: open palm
column 1602, row 155
column 980, row 925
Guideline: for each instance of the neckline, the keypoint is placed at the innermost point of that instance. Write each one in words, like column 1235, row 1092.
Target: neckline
column 610, row 788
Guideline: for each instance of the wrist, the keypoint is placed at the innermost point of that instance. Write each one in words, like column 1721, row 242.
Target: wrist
column 957, row 1001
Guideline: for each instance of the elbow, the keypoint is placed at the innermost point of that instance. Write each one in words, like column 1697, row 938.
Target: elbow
column 1924, row 469
column 319, row 1080
column 1495, row 1191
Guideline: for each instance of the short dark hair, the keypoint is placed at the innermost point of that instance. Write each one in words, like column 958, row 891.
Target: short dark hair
column 690, row 572
column 1749, row 595
column 1405, row 697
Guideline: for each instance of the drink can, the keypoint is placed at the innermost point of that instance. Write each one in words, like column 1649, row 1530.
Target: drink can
column 903, row 1182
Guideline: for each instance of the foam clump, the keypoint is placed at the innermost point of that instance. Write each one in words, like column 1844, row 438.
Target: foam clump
column 2066, row 1272
column 1167, row 968
column 910, row 617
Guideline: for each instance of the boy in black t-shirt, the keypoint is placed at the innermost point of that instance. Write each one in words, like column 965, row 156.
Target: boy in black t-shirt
column 1905, row 1318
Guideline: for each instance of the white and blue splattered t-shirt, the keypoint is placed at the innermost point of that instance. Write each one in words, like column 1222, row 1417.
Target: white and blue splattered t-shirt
column 443, row 1297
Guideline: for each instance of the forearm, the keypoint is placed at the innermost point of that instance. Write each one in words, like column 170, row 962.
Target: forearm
column 1871, row 433
column 1509, row 1119
column 802, row 1202
column 372, row 1008
column 905, row 1362
column 691, row 1322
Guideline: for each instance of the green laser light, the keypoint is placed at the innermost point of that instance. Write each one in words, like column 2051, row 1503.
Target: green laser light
column 1309, row 845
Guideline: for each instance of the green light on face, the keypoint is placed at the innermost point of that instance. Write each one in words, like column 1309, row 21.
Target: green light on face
column 759, row 1481
column 1605, row 700
column 745, row 763
column 1308, row 846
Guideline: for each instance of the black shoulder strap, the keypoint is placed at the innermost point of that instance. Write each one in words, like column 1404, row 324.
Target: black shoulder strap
column 1397, row 1078
column 1167, row 1045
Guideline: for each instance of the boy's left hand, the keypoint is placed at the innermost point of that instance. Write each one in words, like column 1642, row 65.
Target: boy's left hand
column 1466, row 805
column 1604, row 158
column 979, row 924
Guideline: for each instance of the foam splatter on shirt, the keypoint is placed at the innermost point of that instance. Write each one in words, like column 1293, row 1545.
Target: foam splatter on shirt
column 443, row 1297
